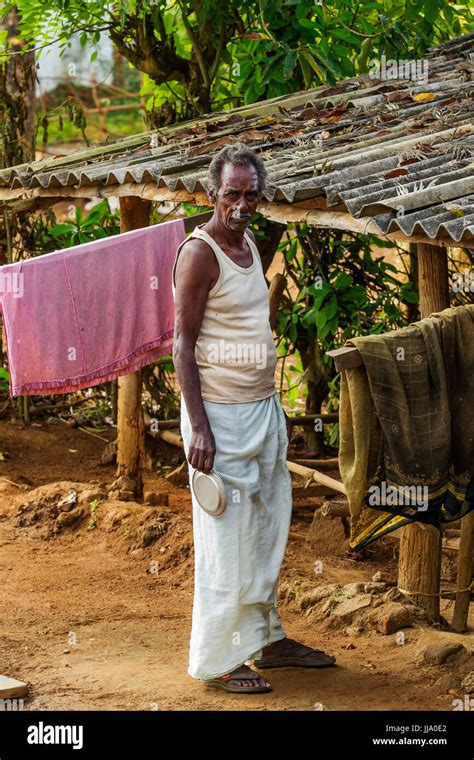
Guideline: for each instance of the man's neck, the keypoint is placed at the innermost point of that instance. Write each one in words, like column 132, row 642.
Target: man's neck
column 223, row 235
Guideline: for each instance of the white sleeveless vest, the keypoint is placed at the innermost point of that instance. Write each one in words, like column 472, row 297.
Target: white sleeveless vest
column 235, row 351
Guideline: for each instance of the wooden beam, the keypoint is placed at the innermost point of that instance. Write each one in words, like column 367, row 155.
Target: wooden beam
column 342, row 220
column 303, row 420
column 328, row 418
column 277, row 212
column 317, row 476
column 163, row 425
column 323, row 480
column 169, row 437
column 145, row 191
column 346, row 357
column 433, row 279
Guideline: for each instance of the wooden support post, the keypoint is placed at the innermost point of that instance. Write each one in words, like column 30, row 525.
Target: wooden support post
column 464, row 579
column 419, row 568
column 275, row 292
column 135, row 213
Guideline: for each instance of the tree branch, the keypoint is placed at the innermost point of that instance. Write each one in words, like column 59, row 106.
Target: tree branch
column 196, row 47
column 220, row 47
column 157, row 59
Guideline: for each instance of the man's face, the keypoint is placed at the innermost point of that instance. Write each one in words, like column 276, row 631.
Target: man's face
column 238, row 196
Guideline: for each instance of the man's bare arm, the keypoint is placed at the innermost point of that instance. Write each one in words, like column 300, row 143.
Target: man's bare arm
column 195, row 269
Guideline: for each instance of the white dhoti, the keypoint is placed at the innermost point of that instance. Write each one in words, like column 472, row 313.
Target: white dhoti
column 238, row 555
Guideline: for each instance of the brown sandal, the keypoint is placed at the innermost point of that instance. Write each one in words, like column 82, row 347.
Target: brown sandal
column 238, row 675
column 296, row 657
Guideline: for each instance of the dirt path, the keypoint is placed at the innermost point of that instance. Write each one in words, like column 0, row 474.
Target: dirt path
column 88, row 624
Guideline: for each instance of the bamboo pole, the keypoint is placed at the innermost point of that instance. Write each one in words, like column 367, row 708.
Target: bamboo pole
column 297, row 420
column 297, row 469
column 319, row 477
column 170, row 437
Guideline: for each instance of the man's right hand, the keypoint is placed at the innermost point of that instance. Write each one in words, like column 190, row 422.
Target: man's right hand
column 202, row 449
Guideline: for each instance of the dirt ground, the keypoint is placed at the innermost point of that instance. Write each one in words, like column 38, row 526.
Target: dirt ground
column 97, row 615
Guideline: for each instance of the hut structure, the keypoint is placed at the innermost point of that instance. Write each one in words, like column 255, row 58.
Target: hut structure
column 389, row 155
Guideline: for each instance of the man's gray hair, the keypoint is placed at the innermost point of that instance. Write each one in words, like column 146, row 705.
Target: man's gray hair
column 238, row 154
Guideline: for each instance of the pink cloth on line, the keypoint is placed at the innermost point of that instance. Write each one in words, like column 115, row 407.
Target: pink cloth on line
column 87, row 314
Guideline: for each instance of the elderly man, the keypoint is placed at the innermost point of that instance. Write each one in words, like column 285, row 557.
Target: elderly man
column 232, row 421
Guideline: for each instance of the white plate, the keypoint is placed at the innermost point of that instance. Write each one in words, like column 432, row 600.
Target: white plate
column 209, row 490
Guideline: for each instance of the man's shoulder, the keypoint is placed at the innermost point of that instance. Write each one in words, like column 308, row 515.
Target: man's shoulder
column 197, row 259
column 199, row 249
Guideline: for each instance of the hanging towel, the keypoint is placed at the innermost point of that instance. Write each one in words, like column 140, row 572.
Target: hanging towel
column 407, row 428
column 85, row 315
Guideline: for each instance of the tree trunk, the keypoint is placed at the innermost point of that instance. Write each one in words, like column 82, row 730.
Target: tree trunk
column 135, row 213
column 18, row 83
column 317, row 382
column 119, row 69
column 413, row 308
column 17, row 143
column 268, row 245
column 419, row 569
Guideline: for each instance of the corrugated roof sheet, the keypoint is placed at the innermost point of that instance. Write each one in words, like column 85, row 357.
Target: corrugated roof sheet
column 396, row 152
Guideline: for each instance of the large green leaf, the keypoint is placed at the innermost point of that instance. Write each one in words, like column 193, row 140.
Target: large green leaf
column 289, row 63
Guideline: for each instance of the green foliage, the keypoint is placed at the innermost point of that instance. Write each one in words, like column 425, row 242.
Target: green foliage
column 338, row 290
column 92, row 525
column 4, row 380
column 342, row 289
column 298, row 44
column 73, row 112
column 198, row 58
column 100, row 222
